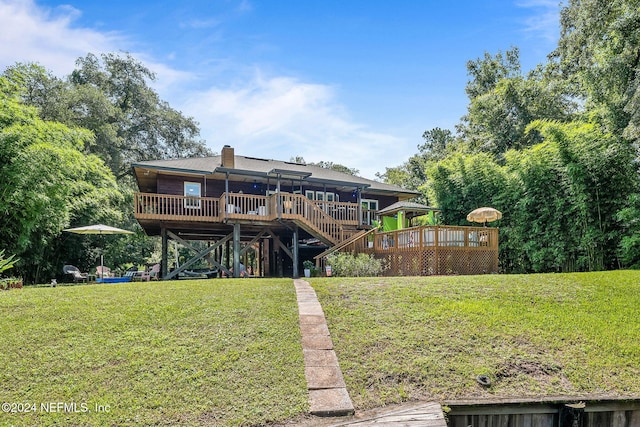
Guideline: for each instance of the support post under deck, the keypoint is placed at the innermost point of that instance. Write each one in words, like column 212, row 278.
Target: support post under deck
column 295, row 253
column 236, row 250
column 164, row 267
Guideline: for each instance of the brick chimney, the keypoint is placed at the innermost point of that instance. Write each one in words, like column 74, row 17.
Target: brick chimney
column 228, row 157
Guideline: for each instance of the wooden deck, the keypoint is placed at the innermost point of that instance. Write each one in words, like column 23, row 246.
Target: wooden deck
column 166, row 207
column 430, row 250
column 427, row 414
column 328, row 221
column 423, row 414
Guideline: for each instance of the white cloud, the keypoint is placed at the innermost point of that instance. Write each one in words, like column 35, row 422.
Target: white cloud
column 546, row 20
column 282, row 117
column 271, row 117
column 200, row 23
column 245, row 6
column 30, row 33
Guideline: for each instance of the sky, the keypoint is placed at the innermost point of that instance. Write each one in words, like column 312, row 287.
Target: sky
column 354, row 82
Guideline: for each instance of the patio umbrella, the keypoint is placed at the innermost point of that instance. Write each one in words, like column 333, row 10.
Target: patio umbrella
column 99, row 229
column 484, row 215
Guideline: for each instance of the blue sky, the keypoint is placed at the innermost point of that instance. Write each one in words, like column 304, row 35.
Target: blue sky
column 355, row 82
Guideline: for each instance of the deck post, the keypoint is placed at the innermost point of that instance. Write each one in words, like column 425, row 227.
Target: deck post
column 226, row 190
column 295, row 253
column 260, row 259
column 359, row 199
column 236, row 250
column 436, row 245
column 164, row 268
column 279, row 198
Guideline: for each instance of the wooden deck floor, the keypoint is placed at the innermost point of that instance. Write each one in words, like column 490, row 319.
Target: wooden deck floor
column 414, row 414
column 427, row 414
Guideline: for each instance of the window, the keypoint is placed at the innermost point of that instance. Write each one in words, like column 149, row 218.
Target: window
column 321, row 196
column 192, row 195
column 369, row 211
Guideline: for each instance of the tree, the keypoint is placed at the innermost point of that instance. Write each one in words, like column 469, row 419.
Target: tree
column 327, row 165
column 437, row 142
column 131, row 123
column 48, row 183
column 463, row 182
column 503, row 103
column 599, row 53
column 629, row 220
column 337, row 167
column 298, row 159
column 488, row 71
column 600, row 178
column 111, row 97
column 39, row 88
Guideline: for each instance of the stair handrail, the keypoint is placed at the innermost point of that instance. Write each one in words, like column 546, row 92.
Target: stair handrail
column 323, row 223
column 342, row 245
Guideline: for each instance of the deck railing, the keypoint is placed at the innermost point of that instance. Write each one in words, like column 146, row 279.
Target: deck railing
column 240, row 206
column 176, row 208
column 442, row 236
column 344, row 212
column 246, row 206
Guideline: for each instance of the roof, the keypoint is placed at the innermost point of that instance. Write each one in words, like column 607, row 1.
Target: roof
column 256, row 168
column 408, row 207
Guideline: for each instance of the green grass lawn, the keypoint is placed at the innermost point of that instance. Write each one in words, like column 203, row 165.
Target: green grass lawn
column 227, row 352
column 214, row 352
column 534, row 335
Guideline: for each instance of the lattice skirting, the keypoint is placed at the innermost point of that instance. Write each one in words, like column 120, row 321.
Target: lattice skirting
column 443, row 261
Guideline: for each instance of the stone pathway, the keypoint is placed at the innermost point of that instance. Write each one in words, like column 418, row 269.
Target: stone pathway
column 328, row 396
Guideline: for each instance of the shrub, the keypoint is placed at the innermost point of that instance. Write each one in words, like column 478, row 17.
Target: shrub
column 348, row 265
column 6, row 263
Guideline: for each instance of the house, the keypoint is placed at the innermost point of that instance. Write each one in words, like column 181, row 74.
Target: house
column 279, row 211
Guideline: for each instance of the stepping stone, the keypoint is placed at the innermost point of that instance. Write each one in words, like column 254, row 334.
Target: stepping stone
column 310, row 309
column 333, row 402
column 320, row 358
column 323, row 377
column 314, row 329
column 312, row 319
column 317, row 342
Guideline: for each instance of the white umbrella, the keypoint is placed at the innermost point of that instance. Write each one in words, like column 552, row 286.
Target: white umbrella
column 99, row 229
column 484, row 215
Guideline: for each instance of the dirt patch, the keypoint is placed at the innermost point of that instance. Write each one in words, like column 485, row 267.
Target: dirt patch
column 549, row 377
column 527, row 367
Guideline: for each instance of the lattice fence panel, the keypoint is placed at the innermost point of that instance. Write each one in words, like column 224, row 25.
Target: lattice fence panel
column 452, row 261
column 443, row 261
